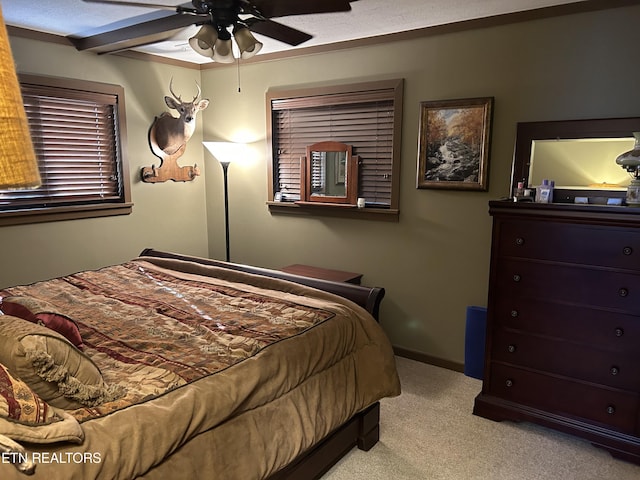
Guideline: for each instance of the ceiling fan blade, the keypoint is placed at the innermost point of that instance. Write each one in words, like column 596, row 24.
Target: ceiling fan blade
column 138, row 34
column 132, row 4
column 281, row 32
column 283, row 8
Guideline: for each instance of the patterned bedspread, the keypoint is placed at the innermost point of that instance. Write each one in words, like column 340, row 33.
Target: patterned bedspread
column 150, row 329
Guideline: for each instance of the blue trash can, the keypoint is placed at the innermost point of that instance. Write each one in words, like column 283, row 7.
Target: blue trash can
column 474, row 338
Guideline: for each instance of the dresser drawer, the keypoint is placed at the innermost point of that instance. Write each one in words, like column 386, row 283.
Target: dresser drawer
column 572, row 243
column 567, row 359
column 602, row 328
column 561, row 396
column 584, row 286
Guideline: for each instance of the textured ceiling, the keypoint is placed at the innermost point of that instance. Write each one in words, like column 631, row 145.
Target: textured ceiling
column 368, row 18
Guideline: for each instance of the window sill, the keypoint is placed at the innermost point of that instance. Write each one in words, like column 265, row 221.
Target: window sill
column 54, row 214
column 334, row 210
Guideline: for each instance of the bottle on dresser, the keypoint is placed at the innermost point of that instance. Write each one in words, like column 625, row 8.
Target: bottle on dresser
column 544, row 193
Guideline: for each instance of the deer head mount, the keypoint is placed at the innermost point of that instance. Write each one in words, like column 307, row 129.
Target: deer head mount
column 168, row 137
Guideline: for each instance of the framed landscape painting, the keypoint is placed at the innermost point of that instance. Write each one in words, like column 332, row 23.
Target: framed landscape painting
column 453, row 144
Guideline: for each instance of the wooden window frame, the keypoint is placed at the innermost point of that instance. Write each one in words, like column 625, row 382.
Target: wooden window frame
column 118, row 203
column 352, row 94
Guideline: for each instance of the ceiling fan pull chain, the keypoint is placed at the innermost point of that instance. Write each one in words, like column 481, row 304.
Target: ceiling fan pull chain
column 238, row 64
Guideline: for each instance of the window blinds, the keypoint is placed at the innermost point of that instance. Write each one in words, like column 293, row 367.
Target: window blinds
column 363, row 120
column 74, row 136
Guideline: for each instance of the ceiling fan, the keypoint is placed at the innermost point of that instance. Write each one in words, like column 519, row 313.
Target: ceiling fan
column 215, row 17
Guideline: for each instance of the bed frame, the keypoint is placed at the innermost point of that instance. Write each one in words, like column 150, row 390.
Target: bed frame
column 362, row 430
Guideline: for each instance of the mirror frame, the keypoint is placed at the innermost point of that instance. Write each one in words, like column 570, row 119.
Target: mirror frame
column 351, row 179
column 527, row 132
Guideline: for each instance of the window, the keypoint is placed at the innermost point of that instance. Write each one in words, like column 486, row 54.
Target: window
column 77, row 131
column 367, row 116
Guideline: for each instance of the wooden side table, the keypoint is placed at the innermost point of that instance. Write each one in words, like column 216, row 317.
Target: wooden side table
column 323, row 273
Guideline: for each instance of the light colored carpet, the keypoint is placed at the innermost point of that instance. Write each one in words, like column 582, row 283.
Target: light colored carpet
column 429, row 433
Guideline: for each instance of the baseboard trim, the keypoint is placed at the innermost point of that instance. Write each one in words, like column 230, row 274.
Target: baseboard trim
column 431, row 360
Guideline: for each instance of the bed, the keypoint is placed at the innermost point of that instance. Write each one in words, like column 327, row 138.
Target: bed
column 173, row 366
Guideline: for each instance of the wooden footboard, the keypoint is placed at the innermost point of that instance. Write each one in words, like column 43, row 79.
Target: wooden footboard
column 367, row 297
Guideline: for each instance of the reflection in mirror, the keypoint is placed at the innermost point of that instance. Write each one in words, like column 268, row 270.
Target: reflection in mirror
column 328, row 173
column 587, row 163
column 578, row 155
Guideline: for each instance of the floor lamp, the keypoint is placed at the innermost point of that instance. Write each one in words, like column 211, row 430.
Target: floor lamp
column 225, row 152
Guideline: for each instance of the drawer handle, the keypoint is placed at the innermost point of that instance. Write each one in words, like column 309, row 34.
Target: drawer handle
column 614, row 370
column 520, row 241
column 611, row 409
column 623, row 292
column 619, row 332
column 509, row 383
column 511, row 348
column 627, row 250
column 514, row 313
column 517, row 278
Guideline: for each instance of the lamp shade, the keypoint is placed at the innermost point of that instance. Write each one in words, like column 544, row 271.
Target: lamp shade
column 630, row 160
column 223, row 51
column 225, row 152
column 204, row 41
column 18, row 163
column 247, row 43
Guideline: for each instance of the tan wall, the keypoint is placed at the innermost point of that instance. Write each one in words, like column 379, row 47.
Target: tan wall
column 435, row 261
column 167, row 216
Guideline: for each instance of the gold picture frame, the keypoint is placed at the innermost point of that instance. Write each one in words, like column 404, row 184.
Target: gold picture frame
column 453, row 144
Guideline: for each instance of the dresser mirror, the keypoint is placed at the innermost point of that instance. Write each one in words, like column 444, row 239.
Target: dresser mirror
column 329, row 174
column 578, row 155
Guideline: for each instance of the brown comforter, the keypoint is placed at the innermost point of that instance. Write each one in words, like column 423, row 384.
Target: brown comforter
column 206, row 358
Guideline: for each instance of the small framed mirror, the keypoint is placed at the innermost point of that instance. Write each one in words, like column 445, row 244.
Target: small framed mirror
column 579, row 155
column 329, row 174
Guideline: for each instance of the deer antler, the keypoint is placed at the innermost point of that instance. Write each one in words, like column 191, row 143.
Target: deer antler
column 177, row 97
column 198, row 95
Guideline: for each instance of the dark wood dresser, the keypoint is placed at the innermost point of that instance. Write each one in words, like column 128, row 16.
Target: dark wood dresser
column 563, row 322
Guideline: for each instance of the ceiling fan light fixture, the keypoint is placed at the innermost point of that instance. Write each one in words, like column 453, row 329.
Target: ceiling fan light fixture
column 204, row 41
column 216, row 17
column 247, row 43
column 223, row 51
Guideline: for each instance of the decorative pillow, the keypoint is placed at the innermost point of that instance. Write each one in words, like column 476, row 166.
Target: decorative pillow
column 55, row 370
column 24, row 416
column 20, row 404
column 42, row 312
column 66, row 430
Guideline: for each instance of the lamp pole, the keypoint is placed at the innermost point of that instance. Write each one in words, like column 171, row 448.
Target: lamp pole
column 225, row 167
column 225, row 152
